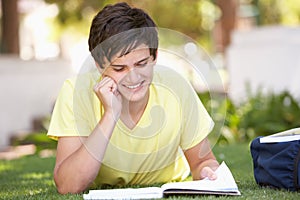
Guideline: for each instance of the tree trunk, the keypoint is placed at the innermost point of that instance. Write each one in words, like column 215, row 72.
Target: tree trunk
column 225, row 24
column 10, row 27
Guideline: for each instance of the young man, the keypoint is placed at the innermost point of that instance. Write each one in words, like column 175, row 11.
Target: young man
column 132, row 123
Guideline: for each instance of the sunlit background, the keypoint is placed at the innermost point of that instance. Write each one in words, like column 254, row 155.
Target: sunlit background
column 254, row 45
column 59, row 29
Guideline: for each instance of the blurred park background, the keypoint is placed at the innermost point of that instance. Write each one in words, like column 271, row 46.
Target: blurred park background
column 254, row 44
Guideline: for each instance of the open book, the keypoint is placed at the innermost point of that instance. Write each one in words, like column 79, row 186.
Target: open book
column 223, row 185
column 284, row 136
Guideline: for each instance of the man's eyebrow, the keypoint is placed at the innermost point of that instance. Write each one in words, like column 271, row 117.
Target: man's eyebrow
column 142, row 60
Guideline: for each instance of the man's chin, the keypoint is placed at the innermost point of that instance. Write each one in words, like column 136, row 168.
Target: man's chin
column 134, row 96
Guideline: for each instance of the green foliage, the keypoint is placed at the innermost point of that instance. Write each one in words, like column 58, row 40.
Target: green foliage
column 224, row 114
column 265, row 114
column 38, row 136
column 39, row 139
column 75, row 10
column 260, row 114
column 285, row 12
column 195, row 18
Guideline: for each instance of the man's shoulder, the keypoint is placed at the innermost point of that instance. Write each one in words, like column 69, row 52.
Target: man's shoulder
column 83, row 81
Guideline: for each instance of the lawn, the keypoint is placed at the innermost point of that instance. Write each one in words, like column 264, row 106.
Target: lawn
column 30, row 177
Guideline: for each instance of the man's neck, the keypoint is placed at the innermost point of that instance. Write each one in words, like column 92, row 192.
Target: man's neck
column 132, row 111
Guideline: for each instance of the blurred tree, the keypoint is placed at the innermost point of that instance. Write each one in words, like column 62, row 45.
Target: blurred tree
column 10, row 27
column 226, row 23
column 187, row 19
column 269, row 11
column 76, row 10
column 195, row 18
column 285, row 12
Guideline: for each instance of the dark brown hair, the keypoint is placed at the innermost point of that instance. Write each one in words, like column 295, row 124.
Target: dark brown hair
column 120, row 28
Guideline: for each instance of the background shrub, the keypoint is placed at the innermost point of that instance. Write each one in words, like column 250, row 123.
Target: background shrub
column 260, row 114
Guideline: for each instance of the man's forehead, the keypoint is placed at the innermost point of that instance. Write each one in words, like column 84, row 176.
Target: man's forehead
column 134, row 55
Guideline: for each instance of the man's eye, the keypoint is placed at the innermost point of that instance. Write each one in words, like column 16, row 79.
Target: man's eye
column 142, row 64
column 118, row 69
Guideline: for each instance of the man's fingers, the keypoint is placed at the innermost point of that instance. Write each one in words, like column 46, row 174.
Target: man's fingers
column 106, row 81
column 207, row 172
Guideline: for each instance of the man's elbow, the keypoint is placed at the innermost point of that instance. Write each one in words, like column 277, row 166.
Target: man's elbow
column 74, row 189
column 63, row 187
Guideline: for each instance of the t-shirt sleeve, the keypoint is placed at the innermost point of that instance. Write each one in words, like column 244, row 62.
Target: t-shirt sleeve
column 197, row 123
column 65, row 119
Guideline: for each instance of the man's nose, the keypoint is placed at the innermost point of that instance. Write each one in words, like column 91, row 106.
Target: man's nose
column 133, row 74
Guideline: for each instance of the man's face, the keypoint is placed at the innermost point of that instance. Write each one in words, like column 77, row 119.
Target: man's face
column 132, row 72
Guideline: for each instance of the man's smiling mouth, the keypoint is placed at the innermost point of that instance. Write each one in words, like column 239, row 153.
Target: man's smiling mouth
column 134, row 86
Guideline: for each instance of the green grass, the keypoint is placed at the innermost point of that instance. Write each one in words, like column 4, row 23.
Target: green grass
column 31, row 178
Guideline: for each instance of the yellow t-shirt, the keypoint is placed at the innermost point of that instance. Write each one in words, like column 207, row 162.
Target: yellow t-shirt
column 152, row 152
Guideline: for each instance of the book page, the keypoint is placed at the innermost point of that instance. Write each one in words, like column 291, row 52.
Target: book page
column 126, row 193
column 224, row 183
column 284, row 136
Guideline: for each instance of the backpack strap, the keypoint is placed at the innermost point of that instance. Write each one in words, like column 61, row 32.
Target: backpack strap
column 296, row 172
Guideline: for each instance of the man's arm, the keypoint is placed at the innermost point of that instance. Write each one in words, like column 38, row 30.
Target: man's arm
column 78, row 159
column 202, row 161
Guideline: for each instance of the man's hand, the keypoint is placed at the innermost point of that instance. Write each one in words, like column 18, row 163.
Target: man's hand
column 107, row 92
column 207, row 172
column 202, row 161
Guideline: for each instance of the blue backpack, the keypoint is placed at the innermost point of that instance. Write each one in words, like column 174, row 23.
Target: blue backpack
column 276, row 164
